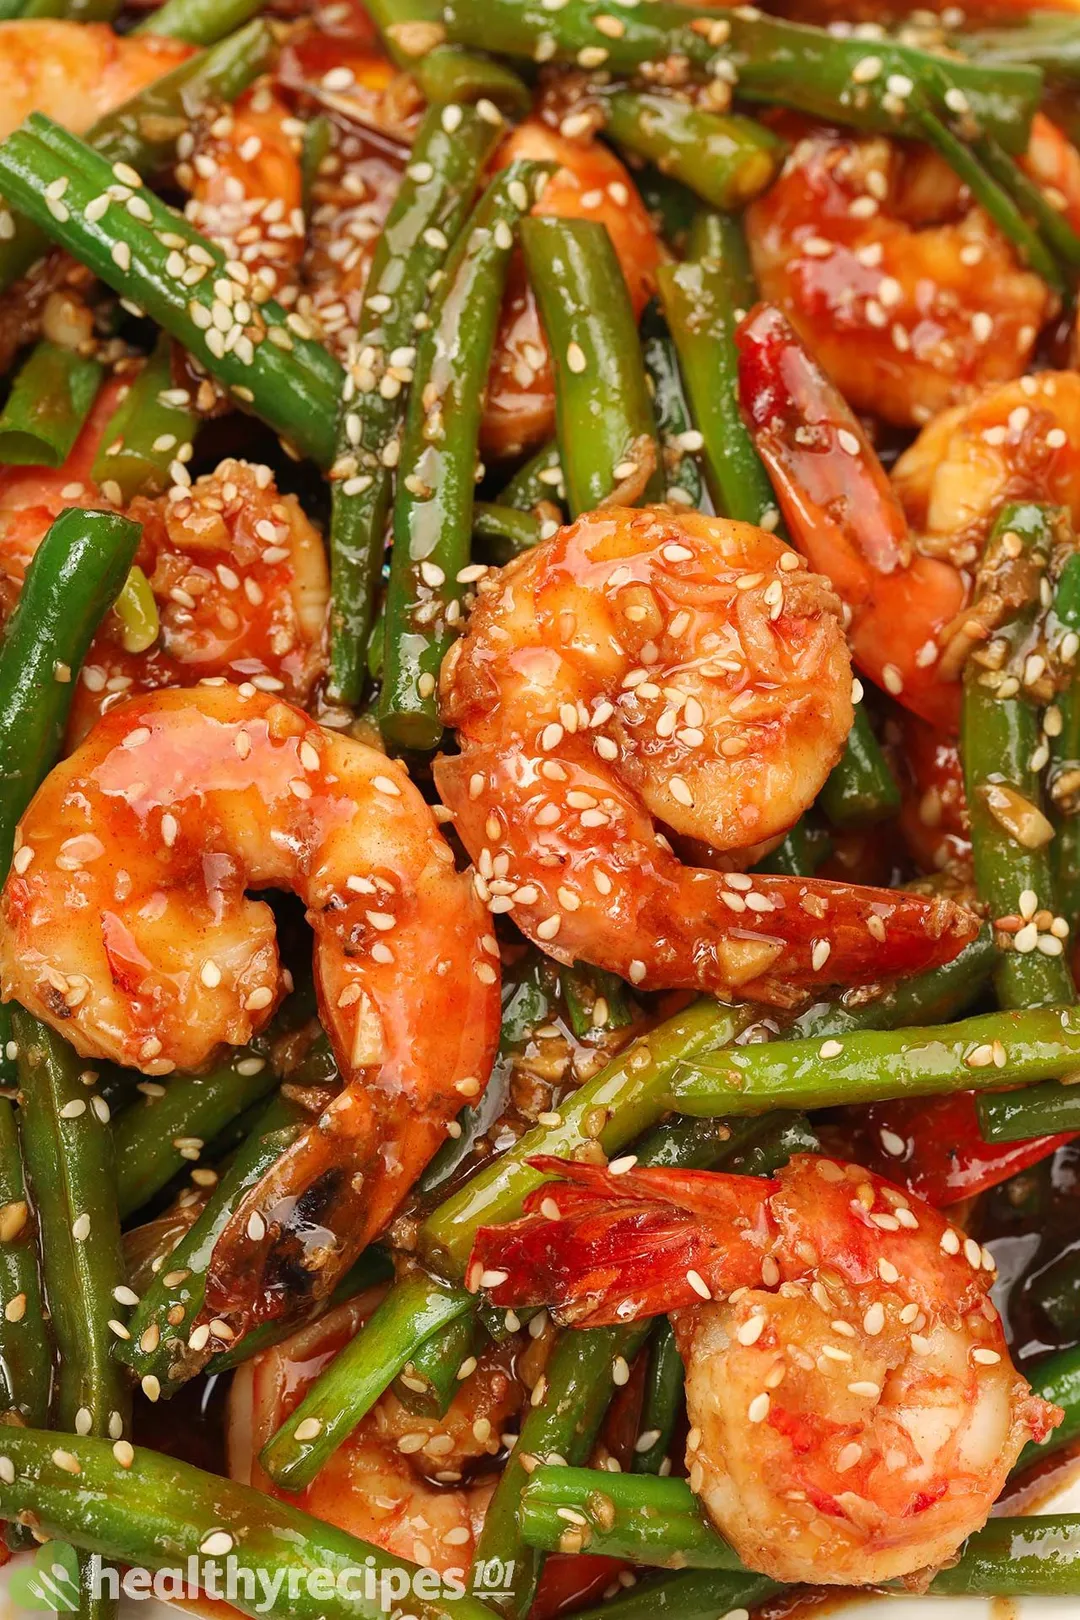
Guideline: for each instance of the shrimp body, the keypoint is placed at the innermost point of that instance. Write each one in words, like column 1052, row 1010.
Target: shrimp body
column 642, row 668
column 127, row 926
column 910, row 303
column 76, row 72
column 589, row 183
column 854, row 1412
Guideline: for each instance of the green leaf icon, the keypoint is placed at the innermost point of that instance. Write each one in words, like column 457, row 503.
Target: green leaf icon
column 49, row 1585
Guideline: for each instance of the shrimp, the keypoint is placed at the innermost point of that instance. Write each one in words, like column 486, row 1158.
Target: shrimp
column 74, row 71
column 243, row 171
column 854, row 1412
column 643, row 667
column 238, row 573
column 126, row 926
column 405, row 1483
column 908, row 297
column 590, row 183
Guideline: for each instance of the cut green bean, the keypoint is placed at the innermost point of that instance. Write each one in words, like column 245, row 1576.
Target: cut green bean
column 199, row 22
column 68, row 1152
column 50, row 400
column 145, row 433
column 999, row 738
column 411, row 1313
column 539, row 480
column 606, row 427
column 691, row 1594
column 150, row 1511
column 142, row 132
column 444, row 73
column 158, row 1136
column 1049, row 221
column 433, row 503
column 1063, row 777
column 290, row 381
column 502, row 533
column 724, row 158
column 861, row 789
column 448, row 159
column 430, row 1379
column 84, row 11
column 1056, row 1379
column 810, row 69
column 678, row 436
column 25, row 1349
column 595, row 1000
column 876, row 1065
column 1049, row 40
column 1016, row 1116
column 662, row 1402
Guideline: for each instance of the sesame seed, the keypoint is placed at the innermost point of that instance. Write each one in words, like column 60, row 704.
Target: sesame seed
column 217, row 1544
column 985, row 1358
column 866, row 1388
column 698, row 1284
column 575, row 358
column 67, row 1461
column 758, row 1410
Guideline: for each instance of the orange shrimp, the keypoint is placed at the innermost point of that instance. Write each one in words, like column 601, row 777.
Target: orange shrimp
column 590, row 183
column 847, row 520
column 639, row 671
column 126, row 926
column 74, row 71
column 908, row 297
column 854, row 1411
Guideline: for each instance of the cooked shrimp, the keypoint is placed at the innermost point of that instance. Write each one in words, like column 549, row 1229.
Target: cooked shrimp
column 74, row 71
column 590, row 183
column 402, row 1482
column 126, row 925
column 642, row 670
column 238, row 573
column 909, row 297
column 243, row 171
column 854, row 1410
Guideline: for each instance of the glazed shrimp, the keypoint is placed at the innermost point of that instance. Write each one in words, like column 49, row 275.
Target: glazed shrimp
column 406, row 1483
column 641, row 670
column 590, row 183
column 127, row 927
column 909, row 299
column 76, row 72
column 854, row 1412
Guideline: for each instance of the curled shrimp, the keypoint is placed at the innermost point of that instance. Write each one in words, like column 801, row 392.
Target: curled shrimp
column 75, row 71
column 416, row 1486
column 237, row 571
column 127, row 927
column 589, row 183
column 854, row 1411
column 908, row 296
column 643, row 670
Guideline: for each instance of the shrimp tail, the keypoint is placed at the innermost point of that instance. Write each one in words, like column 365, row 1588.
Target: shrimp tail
column 773, row 939
column 603, row 1248
column 846, row 519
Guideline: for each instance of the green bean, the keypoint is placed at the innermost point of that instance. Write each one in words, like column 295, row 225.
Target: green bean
column 807, row 68
column 539, row 480
column 429, row 1379
column 876, row 1065
column 414, row 1310
column 929, row 998
column 73, row 10
column 199, row 22
column 444, row 73
column 577, row 1386
column 158, row 1135
column 660, row 1522
column 861, row 789
column 318, row 144
column 433, row 504
column 682, row 473
column 164, row 1343
column 1016, row 1116
column 799, row 855
column 142, row 131
column 144, row 434
column 662, row 1401
column 25, row 1351
column 1049, row 221
column 291, row 382
column 606, row 427
column 594, row 999
column 154, row 1512
column 999, row 737
column 1045, row 39
column 991, row 196
column 1063, row 777
column 503, row 532
column 691, row 1594
column 1055, row 1290
column 50, row 400
column 670, row 204
column 724, row 158
column 136, row 608
column 448, row 159
column 1056, row 1379
column 68, row 1152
